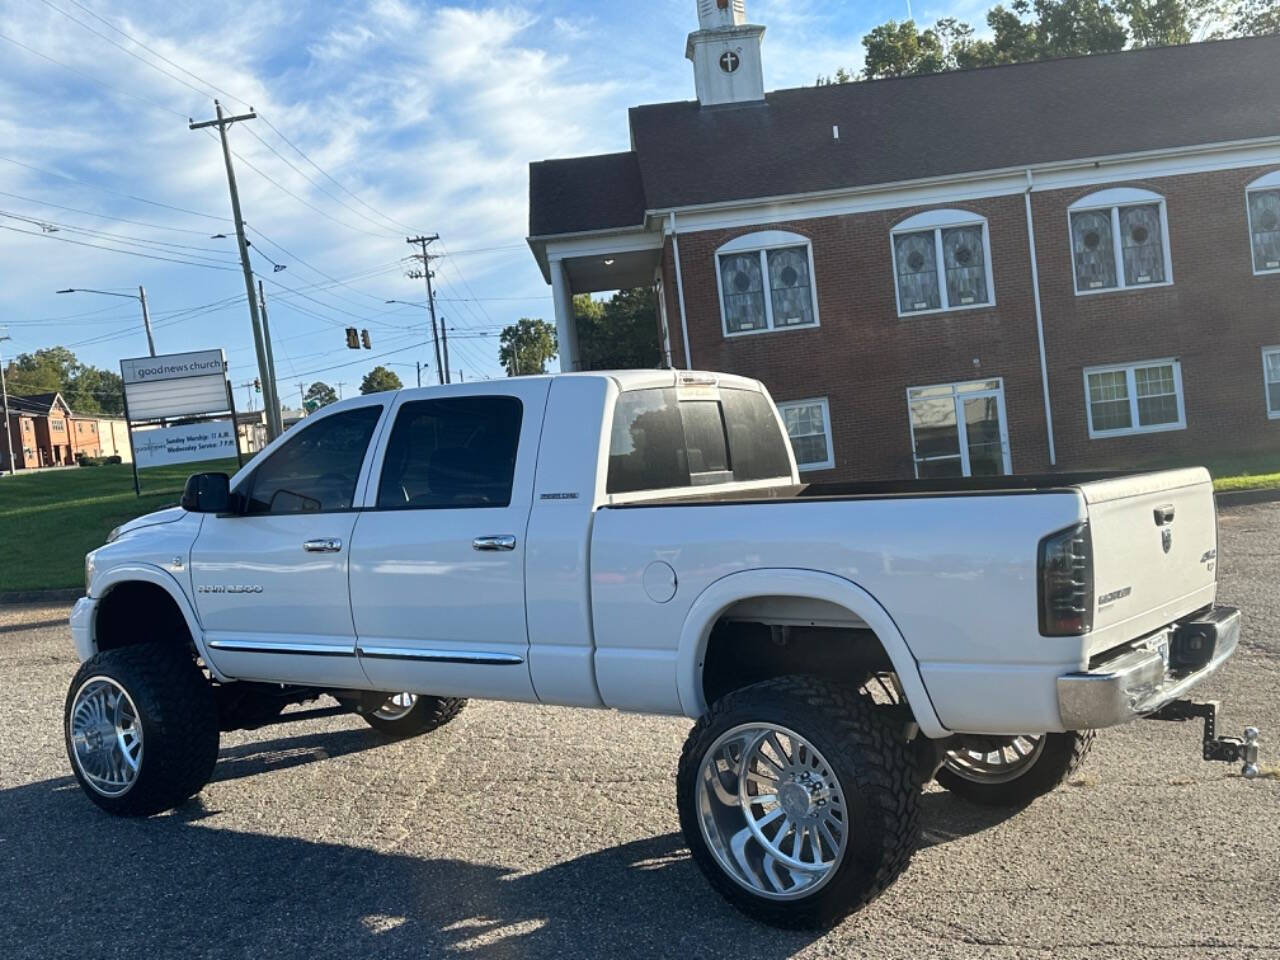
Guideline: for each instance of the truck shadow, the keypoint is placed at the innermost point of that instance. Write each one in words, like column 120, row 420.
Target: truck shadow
column 80, row 883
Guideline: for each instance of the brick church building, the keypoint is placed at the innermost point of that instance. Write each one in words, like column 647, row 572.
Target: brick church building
column 1066, row 264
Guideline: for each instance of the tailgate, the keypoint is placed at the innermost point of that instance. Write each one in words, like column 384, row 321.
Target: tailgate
column 1155, row 543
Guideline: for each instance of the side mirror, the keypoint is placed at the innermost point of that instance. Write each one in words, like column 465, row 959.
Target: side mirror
column 207, row 493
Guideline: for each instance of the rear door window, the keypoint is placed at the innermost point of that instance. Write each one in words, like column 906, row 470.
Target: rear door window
column 646, row 446
column 451, row 452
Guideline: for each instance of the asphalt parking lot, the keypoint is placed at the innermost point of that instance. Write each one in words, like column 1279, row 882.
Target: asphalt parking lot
column 532, row 832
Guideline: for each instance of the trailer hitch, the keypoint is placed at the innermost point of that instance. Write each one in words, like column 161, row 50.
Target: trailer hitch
column 1242, row 750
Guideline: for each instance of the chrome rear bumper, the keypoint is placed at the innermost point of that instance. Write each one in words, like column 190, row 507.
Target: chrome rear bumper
column 1139, row 680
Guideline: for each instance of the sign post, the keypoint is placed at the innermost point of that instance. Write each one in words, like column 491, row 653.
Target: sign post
column 191, row 388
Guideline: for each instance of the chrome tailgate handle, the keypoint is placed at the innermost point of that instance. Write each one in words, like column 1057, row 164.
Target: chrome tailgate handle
column 496, row 541
column 322, row 545
column 1164, row 514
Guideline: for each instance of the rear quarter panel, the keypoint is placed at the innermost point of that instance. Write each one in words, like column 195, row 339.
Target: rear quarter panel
column 956, row 574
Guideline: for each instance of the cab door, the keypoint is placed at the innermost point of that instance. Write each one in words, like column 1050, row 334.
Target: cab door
column 270, row 581
column 437, row 565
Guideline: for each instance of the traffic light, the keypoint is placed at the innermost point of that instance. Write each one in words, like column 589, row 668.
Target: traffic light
column 353, row 338
column 364, row 338
column 257, row 385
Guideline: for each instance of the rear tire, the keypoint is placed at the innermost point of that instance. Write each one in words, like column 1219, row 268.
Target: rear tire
column 970, row 773
column 141, row 728
column 402, row 715
column 845, row 785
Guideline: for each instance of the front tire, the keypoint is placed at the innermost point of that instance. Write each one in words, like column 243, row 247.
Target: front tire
column 799, row 801
column 141, row 729
column 402, row 715
column 1013, row 771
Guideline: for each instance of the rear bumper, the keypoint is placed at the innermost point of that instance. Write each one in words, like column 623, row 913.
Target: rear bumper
column 1140, row 679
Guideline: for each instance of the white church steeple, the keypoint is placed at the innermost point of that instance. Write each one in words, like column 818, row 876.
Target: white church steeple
column 725, row 51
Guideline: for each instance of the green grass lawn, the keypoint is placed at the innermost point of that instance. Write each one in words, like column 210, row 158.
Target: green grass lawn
column 51, row 519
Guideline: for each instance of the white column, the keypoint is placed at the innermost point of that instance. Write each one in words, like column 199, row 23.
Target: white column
column 566, row 329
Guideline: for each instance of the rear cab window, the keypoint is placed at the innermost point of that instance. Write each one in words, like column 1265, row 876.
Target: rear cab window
column 668, row 438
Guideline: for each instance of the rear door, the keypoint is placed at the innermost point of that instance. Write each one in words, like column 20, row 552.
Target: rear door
column 1154, row 541
column 437, row 566
column 271, row 583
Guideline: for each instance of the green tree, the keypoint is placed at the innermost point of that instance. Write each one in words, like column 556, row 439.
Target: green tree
column 320, row 394
column 91, row 390
column 898, row 49
column 86, row 389
column 620, row 333
column 525, row 346
column 379, row 379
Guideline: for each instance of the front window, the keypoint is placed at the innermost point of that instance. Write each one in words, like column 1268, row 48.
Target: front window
column 1135, row 398
column 940, row 262
column 808, row 426
column 317, row 469
column 1271, row 379
column 1264, row 223
column 1118, row 240
column 766, row 283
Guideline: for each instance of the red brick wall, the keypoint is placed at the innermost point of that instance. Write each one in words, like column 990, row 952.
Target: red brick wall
column 862, row 357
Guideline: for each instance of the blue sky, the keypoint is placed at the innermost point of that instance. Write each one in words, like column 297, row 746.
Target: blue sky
column 424, row 115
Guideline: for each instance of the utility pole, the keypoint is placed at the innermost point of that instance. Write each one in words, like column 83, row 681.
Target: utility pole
column 302, row 398
column 269, row 398
column 431, row 298
column 418, row 364
column 340, row 385
column 271, row 360
column 444, row 341
column 460, row 377
column 146, row 320
column 4, row 389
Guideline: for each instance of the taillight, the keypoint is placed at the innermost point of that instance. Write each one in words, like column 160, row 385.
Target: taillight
column 1065, row 570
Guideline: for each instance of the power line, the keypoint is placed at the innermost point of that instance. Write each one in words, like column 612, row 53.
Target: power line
column 128, row 196
column 98, row 246
column 104, row 216
column 117, row 237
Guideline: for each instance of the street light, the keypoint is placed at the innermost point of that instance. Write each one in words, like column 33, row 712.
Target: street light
column 140, row 296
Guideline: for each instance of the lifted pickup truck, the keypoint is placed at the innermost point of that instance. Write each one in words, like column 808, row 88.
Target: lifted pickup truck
column 642, row 541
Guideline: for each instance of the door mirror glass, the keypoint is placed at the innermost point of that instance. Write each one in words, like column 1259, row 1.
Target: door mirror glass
column 207, row 493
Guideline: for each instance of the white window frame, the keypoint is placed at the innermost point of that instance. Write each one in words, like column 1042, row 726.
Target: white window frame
column 1266, row 392
column 1131, row 386
column 828, row 463
column 937, row 221
column 1268, row 181
column 1114, row 199
column 957, row 397
column 762, row 242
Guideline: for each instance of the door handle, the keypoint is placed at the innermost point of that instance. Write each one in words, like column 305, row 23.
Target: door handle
column 322, row 545
column 497, row 541
column 1164, row 515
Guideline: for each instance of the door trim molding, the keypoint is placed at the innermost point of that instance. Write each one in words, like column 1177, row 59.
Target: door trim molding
column 284, row 646
column 479, row 657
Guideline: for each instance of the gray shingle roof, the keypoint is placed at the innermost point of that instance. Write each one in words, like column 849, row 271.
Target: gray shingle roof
column 918, row 127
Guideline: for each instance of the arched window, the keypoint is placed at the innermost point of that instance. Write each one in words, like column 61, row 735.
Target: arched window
column 1119, row 239
column 766, row 283
column 941, row 262
column 1263, row 198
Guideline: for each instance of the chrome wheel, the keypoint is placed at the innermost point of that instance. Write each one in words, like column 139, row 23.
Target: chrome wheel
column 997, row 761
column 106, row 736
column 397, row 706
column 772, row 811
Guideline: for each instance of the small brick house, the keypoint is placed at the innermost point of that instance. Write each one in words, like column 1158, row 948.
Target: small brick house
column 1065, row 264
column 41, row 428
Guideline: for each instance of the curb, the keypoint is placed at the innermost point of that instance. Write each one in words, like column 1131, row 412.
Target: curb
column 1240, row 498
column 63, row 595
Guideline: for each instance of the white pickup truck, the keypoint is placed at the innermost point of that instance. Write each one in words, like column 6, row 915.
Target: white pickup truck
column 642, row 541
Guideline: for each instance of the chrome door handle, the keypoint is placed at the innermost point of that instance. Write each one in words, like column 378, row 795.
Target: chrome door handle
column 322, row 545
column 497, row 541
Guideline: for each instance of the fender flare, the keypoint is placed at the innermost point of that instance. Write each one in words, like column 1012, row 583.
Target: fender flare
column 106, row 581
column 808, row 584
